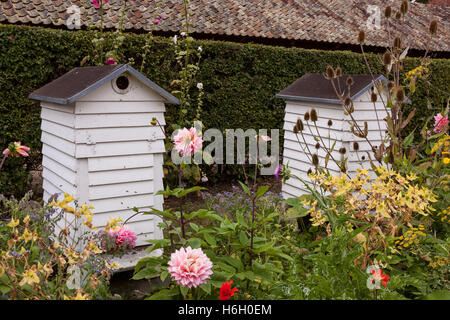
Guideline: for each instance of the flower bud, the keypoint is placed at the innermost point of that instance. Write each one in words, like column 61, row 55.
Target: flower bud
column 330, row 123
column 317, row 146
column 314, row 117
column 350, row 81
column 388, row 12
column 355, row 146
column 361, row 36
column 433, row 27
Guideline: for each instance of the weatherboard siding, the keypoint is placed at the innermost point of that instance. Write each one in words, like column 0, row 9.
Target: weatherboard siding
column 294, row 153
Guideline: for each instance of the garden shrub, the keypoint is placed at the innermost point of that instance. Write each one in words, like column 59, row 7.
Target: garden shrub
column 240, row 80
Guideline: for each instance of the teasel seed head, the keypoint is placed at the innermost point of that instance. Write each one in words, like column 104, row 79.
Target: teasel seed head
column 400, row 94
column 306, row 116
column 398, row 15
column 349, row 81
column 295, row 130
column 309, row 171
column 397, row 42
column 338, row 72
column 404, row 7
column 330, row 72
column 330, row 123
column 317, row 146
column 390, row 85
column 347, row 101
column 373, row 96
column 299, row 124
column 355, row 146
column 313, row 114
column 361, row 36
column 342, row 150
column 388, row 12
column 387, row 58
column 315, row 159
column 433, row 27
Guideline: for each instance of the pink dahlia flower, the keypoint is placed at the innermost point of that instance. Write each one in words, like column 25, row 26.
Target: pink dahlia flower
column 440, row 124
column 110, row 61
column 16, row 149
column 190, row 267
column 126, row 238
column 187, row 142
column 123, row 238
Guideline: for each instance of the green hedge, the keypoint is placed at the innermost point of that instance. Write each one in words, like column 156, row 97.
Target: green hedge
column 240, row 80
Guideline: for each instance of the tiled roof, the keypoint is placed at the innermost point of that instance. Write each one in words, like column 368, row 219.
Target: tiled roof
column 333, row 21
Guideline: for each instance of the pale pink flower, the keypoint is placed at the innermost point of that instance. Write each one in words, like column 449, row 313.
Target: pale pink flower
column 440, row 124
column 16, row 149
column 110, row 61
column 190, row 267
column 187, row 141
column 263, row 138
column 126, row 238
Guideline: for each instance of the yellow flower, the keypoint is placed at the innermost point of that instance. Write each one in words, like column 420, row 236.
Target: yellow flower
column 13, row 223
column 29, row 277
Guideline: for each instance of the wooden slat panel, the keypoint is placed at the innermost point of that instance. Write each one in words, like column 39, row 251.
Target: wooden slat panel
column 63, row 118
column 58, row 181
column 115, row 204
column 58, row 143
column 120, row 162
column 101, row 219
column 119, row 107
column 120, row 176
column 58, row 107
column 59, row 156
column 98, row 135
column 119, row 148
column 58, row 130
column 59, row 169
column 121, row 189
column 86, row 121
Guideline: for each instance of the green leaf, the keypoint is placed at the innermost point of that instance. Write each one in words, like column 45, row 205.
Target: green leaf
column 237, row 263
column 194, row 243
column 227, row 268
column 438, row 295
column 184, row 291
column 165, row 294
column 261, row 191
column 164, row 275
column 245, row 188
column 243, row 238
column 211, row 241
column 206, row 287
column 4, row 289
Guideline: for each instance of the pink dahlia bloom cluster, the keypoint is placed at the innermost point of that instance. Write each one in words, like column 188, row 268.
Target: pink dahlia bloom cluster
column 440, row 123
column 190, row 267
column 187, row 141
column 123, row 238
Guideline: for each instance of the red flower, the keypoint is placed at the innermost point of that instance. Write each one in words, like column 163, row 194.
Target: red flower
column 226, row 292
column 378, row 275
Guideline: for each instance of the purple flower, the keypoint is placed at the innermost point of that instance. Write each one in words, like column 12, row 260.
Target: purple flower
column 156, row 21
column 110, row 61
column 278, row 171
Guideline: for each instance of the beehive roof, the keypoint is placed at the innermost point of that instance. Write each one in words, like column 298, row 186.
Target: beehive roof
column 316, row 88
column 80, row 81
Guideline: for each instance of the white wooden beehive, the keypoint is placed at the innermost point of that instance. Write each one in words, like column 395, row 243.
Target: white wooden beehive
column 99, row 146
column 314, row 91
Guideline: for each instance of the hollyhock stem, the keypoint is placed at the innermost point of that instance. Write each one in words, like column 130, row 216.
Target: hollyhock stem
column 3, row 161
column 180, row 176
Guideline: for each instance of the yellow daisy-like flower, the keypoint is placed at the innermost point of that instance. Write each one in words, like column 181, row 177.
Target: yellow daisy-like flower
column 29, row 277
column 13, row 223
